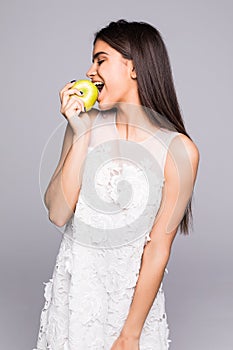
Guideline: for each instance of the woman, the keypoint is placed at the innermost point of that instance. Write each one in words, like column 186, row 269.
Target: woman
column 106, row 291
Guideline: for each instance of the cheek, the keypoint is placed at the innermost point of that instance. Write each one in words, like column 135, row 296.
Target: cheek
column 118, row 77
column 122, row 69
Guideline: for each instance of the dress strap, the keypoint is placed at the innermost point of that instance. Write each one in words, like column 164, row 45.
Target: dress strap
column 165, row 138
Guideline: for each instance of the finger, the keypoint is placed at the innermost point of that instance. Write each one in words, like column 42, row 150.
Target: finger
column 73, row 105
column 66, row 87
column 71, row 93
column 74, row 91
column 67, row 97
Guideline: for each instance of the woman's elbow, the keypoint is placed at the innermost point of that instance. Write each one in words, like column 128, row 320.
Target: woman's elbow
column 58, row 220
column 46, row 200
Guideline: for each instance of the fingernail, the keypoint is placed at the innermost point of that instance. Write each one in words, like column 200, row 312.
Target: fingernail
column 73, row 81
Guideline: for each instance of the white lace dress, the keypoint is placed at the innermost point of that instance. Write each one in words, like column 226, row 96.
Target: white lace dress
column 88, row 297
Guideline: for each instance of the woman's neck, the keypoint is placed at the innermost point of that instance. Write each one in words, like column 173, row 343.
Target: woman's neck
column 132, row 121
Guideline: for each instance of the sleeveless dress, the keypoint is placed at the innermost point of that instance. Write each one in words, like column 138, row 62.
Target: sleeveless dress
column 89, row 295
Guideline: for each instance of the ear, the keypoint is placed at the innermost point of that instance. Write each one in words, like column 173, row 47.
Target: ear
column 132, row 70
column 133, row 73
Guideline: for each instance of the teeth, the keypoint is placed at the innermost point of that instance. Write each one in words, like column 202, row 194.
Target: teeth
column 98, row 83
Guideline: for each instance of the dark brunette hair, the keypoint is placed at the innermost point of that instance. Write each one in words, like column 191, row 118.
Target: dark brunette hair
column 143, row 44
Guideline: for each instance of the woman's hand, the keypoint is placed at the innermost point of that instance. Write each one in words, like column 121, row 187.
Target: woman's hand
column 125, row 343
column 71, row 107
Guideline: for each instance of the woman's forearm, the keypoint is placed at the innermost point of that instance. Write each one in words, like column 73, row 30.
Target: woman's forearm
column 62, row 193
column 154, row 262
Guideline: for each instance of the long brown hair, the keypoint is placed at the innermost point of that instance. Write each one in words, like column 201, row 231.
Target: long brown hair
column 143, row 44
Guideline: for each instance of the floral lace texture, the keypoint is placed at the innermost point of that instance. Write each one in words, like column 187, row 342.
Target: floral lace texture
column 87, row 300
column 133, row 196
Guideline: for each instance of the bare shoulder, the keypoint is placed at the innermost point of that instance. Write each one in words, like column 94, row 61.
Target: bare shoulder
column 191, row 148
column 183, row 152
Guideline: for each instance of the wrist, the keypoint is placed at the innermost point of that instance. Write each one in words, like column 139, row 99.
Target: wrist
column 132, row 328
column 129, row 334
column 81, row 138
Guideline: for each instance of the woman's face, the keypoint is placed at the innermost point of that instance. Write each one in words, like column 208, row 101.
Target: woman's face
column 115, row 75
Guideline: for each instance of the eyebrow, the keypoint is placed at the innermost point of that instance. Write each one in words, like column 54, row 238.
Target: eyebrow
column 98, row 54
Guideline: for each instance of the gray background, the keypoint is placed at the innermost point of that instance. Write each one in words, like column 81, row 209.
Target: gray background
column 44, row 44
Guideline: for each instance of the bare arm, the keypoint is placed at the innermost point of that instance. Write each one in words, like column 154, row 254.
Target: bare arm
column 62, row 193
column 63, row 190
column 180, row 174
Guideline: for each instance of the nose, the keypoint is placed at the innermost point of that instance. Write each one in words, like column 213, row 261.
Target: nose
column 91, row 72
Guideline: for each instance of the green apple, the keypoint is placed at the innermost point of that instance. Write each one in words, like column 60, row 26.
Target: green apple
column 89, row 92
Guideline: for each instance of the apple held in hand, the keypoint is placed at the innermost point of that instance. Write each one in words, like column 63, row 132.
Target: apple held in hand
column 89, row 92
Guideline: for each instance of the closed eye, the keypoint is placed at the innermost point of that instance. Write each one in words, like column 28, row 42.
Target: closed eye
column 100, row 62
